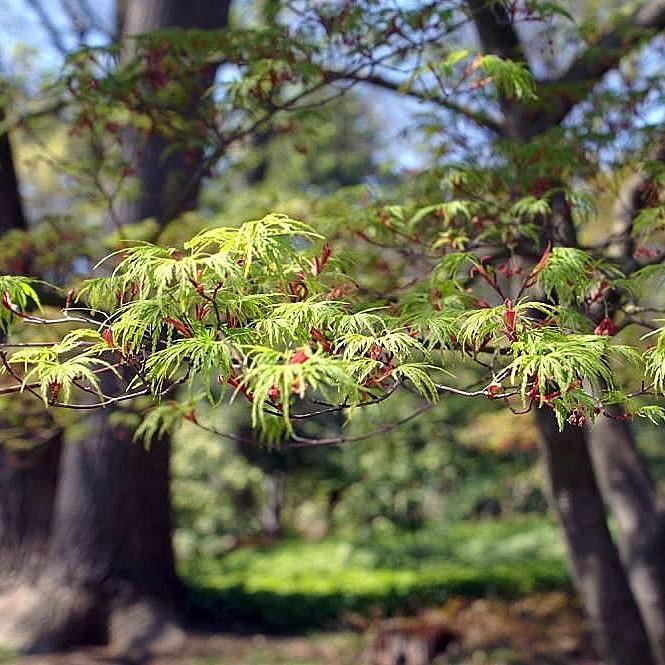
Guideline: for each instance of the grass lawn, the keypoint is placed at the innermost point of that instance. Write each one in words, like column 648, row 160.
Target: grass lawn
column 296, row 585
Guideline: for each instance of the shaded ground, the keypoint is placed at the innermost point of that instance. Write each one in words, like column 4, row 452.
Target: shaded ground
column 539, row 629
column 500, row 586
column 227, row 649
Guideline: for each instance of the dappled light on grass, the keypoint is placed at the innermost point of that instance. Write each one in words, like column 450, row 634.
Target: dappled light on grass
column 296, row 585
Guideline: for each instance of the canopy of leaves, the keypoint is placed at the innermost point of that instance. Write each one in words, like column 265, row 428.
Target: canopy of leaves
column 472, row 263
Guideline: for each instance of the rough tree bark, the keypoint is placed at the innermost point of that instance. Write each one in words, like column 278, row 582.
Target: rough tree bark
column 596, row 566
column 629, row 492
column 110, row 574
column 27, row 488
column 27, row 477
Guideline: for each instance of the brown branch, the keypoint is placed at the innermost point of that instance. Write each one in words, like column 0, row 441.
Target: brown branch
column 298, row 441
column 558, row 96
column 49, row 26
column 481, row 119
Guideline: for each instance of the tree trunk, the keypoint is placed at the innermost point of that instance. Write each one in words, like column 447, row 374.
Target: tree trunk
column 630, row 494
column 27, row 489
column 596, row 567
column 110, row 574
column 606, row 588
column 574, row 494
column 626, row 485
column 12, row 216
column 270, row 514
column 28, row 476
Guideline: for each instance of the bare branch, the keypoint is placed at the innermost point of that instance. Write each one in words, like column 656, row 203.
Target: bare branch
column 557, row 97
column 630, row 200
column 481, row 119
column 297, row 441
column 601, row 56
column 49, row 26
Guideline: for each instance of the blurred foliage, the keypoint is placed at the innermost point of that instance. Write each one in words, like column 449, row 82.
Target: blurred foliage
column 294, row 585
column 459, row 463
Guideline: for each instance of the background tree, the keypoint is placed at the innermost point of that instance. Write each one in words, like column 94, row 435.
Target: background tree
column 270, row 311
column 112, row 522
column 28, row 468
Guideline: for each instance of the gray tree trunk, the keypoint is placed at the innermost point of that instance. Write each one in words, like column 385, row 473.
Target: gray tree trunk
column 28, row 481
column 628, row 490
column 624, row 479
column 597, row 570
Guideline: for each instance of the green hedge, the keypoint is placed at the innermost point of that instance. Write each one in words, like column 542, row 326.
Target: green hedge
column 297, row 585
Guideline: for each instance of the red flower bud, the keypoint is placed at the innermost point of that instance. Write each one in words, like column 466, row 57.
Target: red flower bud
column 108, row 338
column 299, row 357
column 493, row 390
column 509, row 317
column 606, row 328
column 321, row 339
